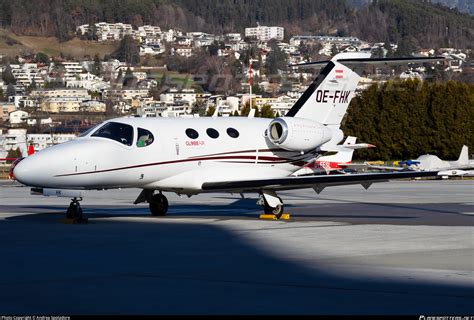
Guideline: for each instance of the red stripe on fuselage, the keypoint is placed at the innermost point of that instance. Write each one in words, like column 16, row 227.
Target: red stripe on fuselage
column 245, row 151
column 263, row 158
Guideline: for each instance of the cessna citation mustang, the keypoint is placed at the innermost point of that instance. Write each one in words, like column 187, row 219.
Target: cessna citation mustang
column 192, row 156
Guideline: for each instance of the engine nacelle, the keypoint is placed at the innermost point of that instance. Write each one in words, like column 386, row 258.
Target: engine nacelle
column 297, row 134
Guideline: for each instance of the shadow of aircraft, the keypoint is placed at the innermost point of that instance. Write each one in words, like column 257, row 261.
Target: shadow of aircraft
column 164, row 267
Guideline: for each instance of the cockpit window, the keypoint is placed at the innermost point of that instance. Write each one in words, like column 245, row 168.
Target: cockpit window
column 85, row 133
column 145, row 138
column 120, row 132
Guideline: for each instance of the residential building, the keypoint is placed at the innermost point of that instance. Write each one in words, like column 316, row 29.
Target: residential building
column 27, row 73
column 92, row 106
column 148, row 31
column 88, row 81
column 233, row 37
column 126, row 94
column 60, row 104
column 17, row 117
column 173, row 95
column 20, row 138
column 5, row 109
column 72, row 70
column 165, row 109
column 42, row 121
column 151, row 49
column 68, row 93
column 264, row 33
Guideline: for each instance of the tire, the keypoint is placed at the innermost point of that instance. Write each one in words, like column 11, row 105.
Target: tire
column 74, row 211
column 158, row 205
column 277, row 211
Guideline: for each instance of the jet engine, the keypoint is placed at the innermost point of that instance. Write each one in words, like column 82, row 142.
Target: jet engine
column 297, row 134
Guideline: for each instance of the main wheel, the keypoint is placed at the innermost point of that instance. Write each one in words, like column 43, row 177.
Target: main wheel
column 277, row 211
column 158, row 205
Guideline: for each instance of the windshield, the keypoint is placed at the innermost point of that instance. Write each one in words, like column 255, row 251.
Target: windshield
column 120, row 132
column 85, row 133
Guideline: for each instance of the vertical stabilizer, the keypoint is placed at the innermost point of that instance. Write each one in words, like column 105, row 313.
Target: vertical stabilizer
column 327, row 98
column 463, row 156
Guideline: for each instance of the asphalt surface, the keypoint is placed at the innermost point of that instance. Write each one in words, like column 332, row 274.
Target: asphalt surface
column 399, row 248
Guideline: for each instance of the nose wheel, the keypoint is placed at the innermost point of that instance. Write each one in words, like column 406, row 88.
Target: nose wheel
column 74, row 212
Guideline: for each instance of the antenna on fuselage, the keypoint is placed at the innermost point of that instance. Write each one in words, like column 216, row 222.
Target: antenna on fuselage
column 251, row 113
column 216, row 112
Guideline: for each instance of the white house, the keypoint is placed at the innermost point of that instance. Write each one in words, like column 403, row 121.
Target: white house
column 173, row 95
column 33, row 121
column 18, row 117
column 264, row 33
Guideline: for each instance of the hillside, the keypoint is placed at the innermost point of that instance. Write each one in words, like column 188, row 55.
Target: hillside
column 423, row 23
column 13, row 45
column 466, row 6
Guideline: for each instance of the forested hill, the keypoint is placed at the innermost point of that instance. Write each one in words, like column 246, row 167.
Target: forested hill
column 421, row 23
column 461, row 5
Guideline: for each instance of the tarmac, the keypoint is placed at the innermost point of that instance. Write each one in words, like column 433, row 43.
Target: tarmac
column 404, row 247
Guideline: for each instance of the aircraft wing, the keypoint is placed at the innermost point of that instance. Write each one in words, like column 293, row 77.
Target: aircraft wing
column 317, row 182
column 387, row 168
column 354, row 166
column 368, row 166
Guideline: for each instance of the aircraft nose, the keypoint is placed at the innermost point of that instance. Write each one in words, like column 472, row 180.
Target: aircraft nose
column 34, row 170
column 24, row 171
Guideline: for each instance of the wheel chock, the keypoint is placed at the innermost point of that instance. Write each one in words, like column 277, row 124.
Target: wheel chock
column 74, row 221
column 266, row 216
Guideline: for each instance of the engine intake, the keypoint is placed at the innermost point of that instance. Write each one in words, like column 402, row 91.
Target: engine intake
column 297, row 134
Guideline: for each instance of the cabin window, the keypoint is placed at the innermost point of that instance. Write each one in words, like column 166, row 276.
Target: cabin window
column 213, row 133
column 191, row 133
column 232, row 133
column 145, row 138
column 119, row 132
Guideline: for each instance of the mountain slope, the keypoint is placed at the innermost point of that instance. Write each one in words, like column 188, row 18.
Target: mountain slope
column 420, row 22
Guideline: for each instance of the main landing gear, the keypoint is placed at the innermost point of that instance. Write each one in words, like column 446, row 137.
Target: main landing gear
column 158, row 205
column 271, row 203
column 74, row 213
column 157, row 202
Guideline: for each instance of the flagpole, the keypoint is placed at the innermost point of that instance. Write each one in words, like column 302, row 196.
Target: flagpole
column 250, row 86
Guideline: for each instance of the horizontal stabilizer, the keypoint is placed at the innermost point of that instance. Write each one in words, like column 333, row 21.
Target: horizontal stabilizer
column 359, row 146
column 372, row 61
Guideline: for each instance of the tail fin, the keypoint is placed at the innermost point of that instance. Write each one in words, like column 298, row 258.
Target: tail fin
column 463, row 156
column 327, row 98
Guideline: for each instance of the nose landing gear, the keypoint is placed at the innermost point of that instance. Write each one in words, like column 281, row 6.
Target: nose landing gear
column 74, row 212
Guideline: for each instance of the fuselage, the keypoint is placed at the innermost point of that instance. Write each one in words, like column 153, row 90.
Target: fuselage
column 161, row 153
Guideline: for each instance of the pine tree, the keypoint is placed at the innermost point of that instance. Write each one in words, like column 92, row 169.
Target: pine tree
column 7, row 75
column 128, row 51
column 11, row 91
column 97, row 66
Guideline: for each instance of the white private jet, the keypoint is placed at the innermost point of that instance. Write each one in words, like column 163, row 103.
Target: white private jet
column 192, row 156
column 429, row 162
column 336, row 161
